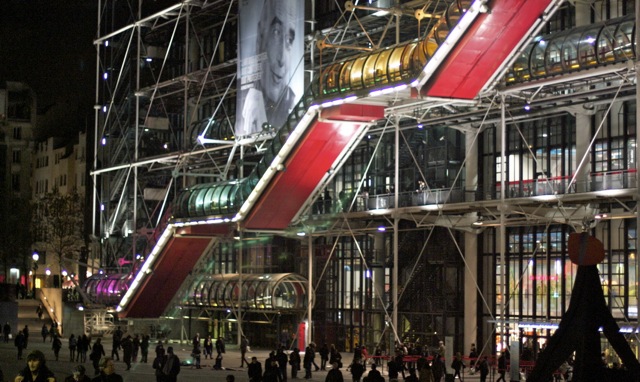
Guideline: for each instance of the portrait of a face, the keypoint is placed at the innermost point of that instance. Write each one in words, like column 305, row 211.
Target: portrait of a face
column 271, row 63
column 278, row 36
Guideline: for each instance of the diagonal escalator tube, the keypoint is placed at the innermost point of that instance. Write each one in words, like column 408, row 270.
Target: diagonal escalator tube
column 379, row 69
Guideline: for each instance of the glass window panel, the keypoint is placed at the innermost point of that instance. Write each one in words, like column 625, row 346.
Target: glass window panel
column 356, row 73
column 382, row 65
column 183, row 203
column 515, row 286
column 542, row 287
column 395, row 63
column 207, row 201
column 605, row 44
column 369, row 70
column 528, row 286
column 193, row 197
column 519, row 72
column 418, row 60
column 631, row 154
column 331, row 79
column 623, row 39
column 406, row 70
column 555, row 288
column 224, row 198
column 215, row 200
column 345, row 76
column 570, row 52
column 537, row 59
column 230, row 195
column 429, row 46
column 553, row 56
column 587, row 47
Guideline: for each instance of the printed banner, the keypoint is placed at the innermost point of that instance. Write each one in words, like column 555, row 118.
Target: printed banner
column 270, row 63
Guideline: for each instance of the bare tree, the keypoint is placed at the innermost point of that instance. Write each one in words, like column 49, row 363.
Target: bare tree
column 57, row 224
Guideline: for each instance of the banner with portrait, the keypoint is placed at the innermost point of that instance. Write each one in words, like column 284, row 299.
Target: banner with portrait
column 270, row 63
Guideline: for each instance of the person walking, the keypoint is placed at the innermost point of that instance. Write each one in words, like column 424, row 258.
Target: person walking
column 44, row 332
column 457, row 365
column 171, row 367
column 271, row 369
column 25, row 331
column 108, row 371
column 73, row 344
column 282, row 360
column 220, row 348
column 357, row 369
column 335, row 356
column 196, row 354
column 374, row 374
column 36, row 370
column 96, row 354
column 84, row 344
column 324, row 356
column 160, row 349
column 254, row 370
column 56, row 345
column 127, row 351
column 19, row 342
column 294, row 361
column 158, row 364
column 117, row 340
column 437, row 368
column 244, row 347
column 136, row 348
column 309, row 355
column 208, row 348
column 393, row 368
column 426, row 373
column 53, row 331
column 502, row 367
column 334, row 375
column 144, row 348
column 484, row 369
column 6, row 331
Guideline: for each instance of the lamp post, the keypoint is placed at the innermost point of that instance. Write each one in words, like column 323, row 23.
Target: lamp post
column 35, row 256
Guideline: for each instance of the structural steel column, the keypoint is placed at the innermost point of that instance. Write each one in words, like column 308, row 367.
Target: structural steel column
column 471, row 254
column 502, row 231
column 310, row 294
column 394, row 276
column 637, row 196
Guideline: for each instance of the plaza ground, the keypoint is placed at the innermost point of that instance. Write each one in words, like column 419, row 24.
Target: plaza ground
column 143, row 372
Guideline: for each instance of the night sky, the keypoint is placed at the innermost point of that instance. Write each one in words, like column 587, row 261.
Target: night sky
column 49, row 45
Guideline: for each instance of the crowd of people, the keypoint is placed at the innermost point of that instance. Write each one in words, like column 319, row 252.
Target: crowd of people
column 411, row 363
column 166, row 363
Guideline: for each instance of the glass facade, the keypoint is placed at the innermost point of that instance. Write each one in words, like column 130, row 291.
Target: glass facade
column 548, row 172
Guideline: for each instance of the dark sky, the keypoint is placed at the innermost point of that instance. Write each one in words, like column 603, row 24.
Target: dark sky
column 49, row 45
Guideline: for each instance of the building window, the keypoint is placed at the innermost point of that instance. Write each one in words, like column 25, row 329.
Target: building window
column 15, row 182
column 17, row 132
column 16, row 156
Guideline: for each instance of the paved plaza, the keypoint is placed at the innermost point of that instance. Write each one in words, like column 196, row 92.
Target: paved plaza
column 143, row 372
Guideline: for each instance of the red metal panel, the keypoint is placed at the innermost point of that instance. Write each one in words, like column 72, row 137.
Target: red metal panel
column 304, row 169
column 308, row 163
column 354, row 112
column 174, row 263
column 485, row 46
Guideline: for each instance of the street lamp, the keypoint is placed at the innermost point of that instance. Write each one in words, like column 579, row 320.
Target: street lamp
column 35, row 256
